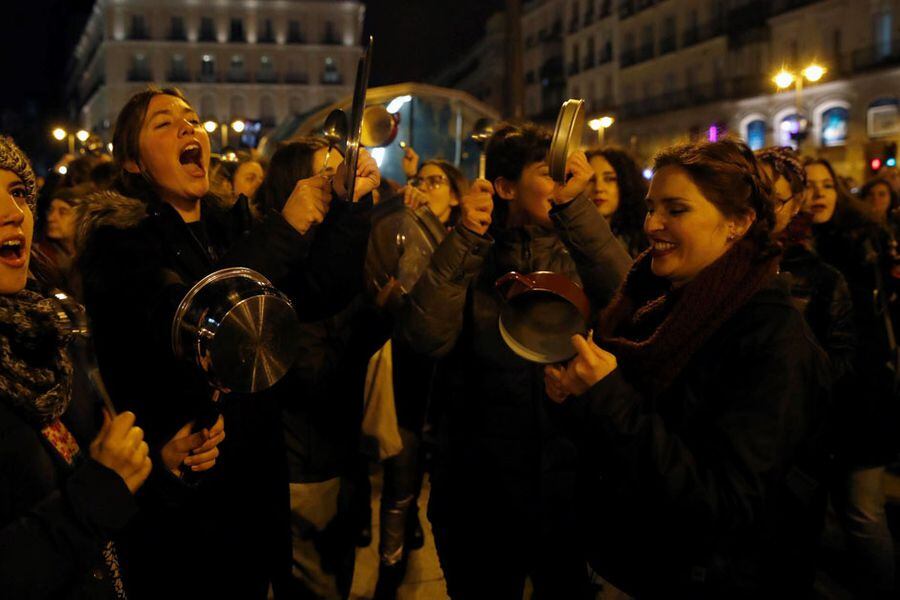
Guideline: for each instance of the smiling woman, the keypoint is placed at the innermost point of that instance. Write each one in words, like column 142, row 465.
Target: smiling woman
column 703, row 393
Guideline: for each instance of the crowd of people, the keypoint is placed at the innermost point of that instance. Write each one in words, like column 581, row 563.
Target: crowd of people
column 739, row 382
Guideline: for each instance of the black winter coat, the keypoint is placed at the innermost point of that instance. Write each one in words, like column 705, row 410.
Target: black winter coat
column 867, row 404
column 699, row 493
column 503, row 455
column 232, row 535
column 56, row 518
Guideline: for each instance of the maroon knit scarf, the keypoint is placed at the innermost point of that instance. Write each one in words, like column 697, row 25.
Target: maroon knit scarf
column 654, row 330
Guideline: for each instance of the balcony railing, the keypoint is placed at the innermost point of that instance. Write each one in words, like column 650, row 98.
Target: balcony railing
column 627, row 58
column 178, row 75
column 267, row 77
column 879, row 55
column 590, row 61
column 606, row 55
column 645, row 52
column 301, row 78
column 702, row 33
column 332, row 79
column 695, row 96
column 237, row 76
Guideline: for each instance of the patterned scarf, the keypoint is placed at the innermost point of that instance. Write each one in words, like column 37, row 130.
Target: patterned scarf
column 36, row 379
column 35, row 371
column 654, row 330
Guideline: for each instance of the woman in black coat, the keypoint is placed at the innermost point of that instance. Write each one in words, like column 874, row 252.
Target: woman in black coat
column 693, row 421
column 141, row 250
column 65, row 488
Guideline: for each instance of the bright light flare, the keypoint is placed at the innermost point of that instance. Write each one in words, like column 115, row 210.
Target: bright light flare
column 397, row 103
column 82, row 135
column 210, row 126
column 238, row 126
column 60, row 134
column 814, row 72
column 783, row 79
column 601, row 123
column 378, row 155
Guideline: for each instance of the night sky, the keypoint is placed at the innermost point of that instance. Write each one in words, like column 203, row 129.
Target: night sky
column 413, row 39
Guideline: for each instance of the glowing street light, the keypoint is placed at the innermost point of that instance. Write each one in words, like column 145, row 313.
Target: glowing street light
column 59, row 133
column 82, row 135
column 783, row 79
column 210, row 126
column 238, row 126
column 814, row 72
column 600, row 125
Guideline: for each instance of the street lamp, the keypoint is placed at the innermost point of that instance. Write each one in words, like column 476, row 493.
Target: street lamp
column 784, row 79
column 238, row 126
column 600, row 125
column 60, row 134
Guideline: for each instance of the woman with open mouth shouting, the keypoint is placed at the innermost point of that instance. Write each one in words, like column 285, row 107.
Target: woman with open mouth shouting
column 693, row 414
column 141, row 249
column 62, row 495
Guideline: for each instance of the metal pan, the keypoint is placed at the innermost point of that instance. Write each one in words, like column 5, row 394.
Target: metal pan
column 240, row 331
column 351, row 157
column 566, row 137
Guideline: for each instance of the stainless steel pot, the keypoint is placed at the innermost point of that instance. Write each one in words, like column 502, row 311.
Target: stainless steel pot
column 238, row 329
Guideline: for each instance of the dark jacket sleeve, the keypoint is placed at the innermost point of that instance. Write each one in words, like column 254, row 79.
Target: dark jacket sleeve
column 272, row 247
column 715, row 479
column 840, row 340
column 57, row 540
column 432, row 319
column 601, row 259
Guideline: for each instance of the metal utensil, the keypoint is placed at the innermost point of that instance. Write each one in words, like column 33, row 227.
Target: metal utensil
column 566, row 137
column 335, row 131
column 351, row 157
column 484, row 129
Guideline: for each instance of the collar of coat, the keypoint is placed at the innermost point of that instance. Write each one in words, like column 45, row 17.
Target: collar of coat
column 654, row 330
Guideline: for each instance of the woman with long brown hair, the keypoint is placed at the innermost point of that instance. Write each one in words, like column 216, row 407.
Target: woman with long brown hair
column 697, row 395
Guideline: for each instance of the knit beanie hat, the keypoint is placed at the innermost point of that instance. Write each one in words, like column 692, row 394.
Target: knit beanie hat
column 13, row 159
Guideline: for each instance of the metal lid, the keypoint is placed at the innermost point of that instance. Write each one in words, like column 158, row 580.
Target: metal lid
column 566, row 137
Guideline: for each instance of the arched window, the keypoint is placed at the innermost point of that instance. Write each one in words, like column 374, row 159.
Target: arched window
column 788, row 129
column 833, row 126
column 753, row 129
column 883, row 117
column 238, row 107
column 267, row 111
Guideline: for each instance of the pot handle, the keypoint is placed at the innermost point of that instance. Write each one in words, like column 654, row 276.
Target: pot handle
column 512, row 277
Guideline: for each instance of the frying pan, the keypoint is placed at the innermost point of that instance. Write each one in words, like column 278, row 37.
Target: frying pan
column 566, row 137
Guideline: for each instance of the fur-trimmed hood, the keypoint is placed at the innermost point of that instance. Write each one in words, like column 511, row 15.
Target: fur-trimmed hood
column 107, row 208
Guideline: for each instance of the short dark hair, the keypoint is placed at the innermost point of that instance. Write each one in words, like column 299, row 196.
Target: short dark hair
column 731, row 178
column 512, row 148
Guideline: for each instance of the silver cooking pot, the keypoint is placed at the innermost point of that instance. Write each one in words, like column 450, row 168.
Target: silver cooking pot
column 238, row 329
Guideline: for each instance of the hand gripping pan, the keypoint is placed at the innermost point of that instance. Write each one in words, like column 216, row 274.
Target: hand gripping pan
column 566, row 137
column 356, row 118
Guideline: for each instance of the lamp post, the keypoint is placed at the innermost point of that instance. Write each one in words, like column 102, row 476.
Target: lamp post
column 784, row 79
column 237, row 125
column 60, row 134
column 600, row 125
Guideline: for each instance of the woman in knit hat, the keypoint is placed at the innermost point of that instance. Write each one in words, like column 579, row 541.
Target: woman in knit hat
column 65, row 487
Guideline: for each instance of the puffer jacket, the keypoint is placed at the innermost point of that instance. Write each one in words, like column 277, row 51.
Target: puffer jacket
column 500, row 444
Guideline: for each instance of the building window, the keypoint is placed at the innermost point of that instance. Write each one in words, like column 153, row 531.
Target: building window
column 207, row 29
column 176, row 29
column 236, row 33
column 883, row 117
column 268, row 33
column 833, row 130
column 756, row 134
column 331, row 75
column 236, row 71
column 208, row 107
column 266, row 70
column 208, row 68
column 789, row 130
column 882, row 24
column 267, row 111
column 140, row 68
column 295, row 34
column 668, row 42
column 179, row 72
column 139, row 29
column 331, row 35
